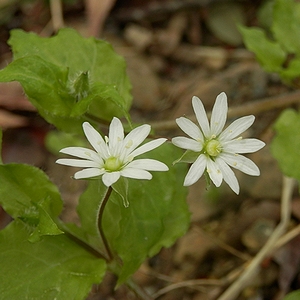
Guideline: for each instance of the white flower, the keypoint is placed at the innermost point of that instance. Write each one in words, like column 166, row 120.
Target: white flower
column 113, row 156
column 217, row 149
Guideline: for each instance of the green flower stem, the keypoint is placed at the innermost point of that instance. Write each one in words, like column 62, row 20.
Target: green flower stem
column 101, row 232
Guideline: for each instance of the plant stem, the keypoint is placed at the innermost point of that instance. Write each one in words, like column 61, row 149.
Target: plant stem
column 139, row 291
column 56, row 14
column 100, row 227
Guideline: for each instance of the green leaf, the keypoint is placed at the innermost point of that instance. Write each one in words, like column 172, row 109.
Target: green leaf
column 65, row 83
column 286, row 144
column 27, row 193
column 81, row 86
column 286, row 25
column 45, row 224
column 292, row 296
column 53, row 268
column 292, row 71
column 269, row 53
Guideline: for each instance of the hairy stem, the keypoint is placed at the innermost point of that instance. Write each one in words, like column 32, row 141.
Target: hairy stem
column 100, row 227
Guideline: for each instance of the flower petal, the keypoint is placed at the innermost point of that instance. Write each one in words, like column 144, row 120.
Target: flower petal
column 136, row 173
column 219, row 114
column 214, row 172
column 190, row 128
column 228, row 175
column 147, row 147
column 110, row 178
column 82, row 153
column 187, row 143
column 116, row 135
column 195, row 171
column 241, row 163
column 135, row 137
column 243, row 146
column 88, row 173
column 95, row 139
column 78, row 163
column 148, row 164
column 236, row 128
column 201, row 115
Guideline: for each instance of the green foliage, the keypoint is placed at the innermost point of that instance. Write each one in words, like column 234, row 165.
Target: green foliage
column 269, row 53
column 56, row 140
column 157, row 214
column 53, row 268
column 70, row 80
column 293, row 296
column 286, row 144
column 27, row 193
column 68, row 77
column 281, row 53
column 286, row 25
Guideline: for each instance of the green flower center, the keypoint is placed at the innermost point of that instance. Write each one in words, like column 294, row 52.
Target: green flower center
column 213, row 148
column 113, row 164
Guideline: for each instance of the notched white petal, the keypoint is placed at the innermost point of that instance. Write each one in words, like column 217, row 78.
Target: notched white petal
column 135, row 137
column 110, row 178
column 93, row 136
column 243, row 146
column 187, row 143
column 116, row 133
column 88, row 173
column 148, row 164
column 136, row 173
column 241, row 163
column 228, row 175
column 196, row 171
column 148, row 147
column 77, row 163
column 201, row 115
column 82, row 153
column 214, row 172
column 236, row 128
column 190, row 128
column 219, row 114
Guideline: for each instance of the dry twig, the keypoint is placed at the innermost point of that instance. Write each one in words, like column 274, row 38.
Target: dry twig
column 56, row 14
column 243, row 275
column 253, row 268
column 255, row 107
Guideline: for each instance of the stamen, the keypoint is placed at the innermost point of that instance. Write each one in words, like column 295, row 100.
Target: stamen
column 129, row 144
column 213, row 148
